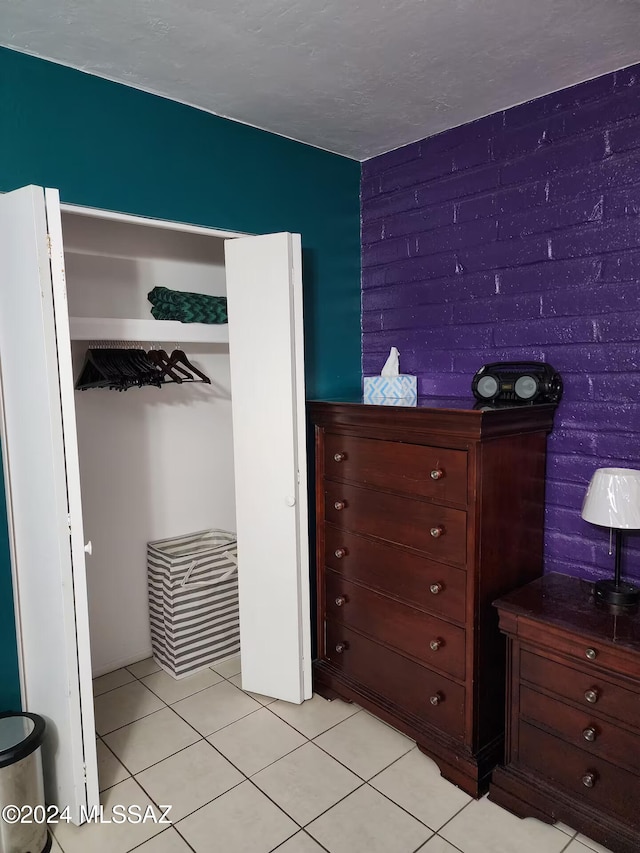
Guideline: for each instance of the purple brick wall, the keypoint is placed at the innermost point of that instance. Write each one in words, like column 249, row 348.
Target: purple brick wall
column 518, row 237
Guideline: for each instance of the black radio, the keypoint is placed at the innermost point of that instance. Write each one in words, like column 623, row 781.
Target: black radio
column 517, row 383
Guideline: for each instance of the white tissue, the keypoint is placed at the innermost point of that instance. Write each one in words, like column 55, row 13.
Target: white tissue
column 392, row 364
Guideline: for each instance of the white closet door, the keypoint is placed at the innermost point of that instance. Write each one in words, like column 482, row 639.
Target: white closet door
column 264, row 291
column 43, row 491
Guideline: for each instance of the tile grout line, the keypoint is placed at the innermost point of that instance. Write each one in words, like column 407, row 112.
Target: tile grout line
column 168, row 829
column 140, row 679
column 350, row 769
column 188, row 696
column 204, row 737
column 308, row 740
column 215, row 731
column 303, row 832
column 417, row 850
column 172, row 708
column 570, row 841
column 271, row 800
column 184, row 817
column 333, row 726
column 155, row 763
column 201, row 737
column 366, row 784
column 448, row 821
column 455, row 846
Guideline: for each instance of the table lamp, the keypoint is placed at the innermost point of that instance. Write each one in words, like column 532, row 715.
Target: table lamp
column 613, row 501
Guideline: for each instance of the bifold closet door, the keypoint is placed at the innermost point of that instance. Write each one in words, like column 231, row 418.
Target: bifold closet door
column 264, row 292
column 43, row 493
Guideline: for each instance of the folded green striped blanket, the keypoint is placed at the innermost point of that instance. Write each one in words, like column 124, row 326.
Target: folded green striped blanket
column 187, row 307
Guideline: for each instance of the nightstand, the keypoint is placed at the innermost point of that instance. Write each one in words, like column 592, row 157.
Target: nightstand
column 572, row 749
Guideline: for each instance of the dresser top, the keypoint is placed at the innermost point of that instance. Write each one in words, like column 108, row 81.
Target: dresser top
column 567, row 602
column 450, row 415
column 458, row 404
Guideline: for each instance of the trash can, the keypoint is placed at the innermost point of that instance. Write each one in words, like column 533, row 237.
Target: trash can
column 23, row 827
column 193, row 600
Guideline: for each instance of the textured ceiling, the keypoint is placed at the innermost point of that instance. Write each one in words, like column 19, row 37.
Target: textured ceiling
column 358, row 77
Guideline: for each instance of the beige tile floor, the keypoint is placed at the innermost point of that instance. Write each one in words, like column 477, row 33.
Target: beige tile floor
column 247, row 774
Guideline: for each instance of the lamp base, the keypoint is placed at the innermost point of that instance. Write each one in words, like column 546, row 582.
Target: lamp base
column 617, row 594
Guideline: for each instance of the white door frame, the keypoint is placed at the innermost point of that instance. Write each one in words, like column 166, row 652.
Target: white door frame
column 126, row 218
column 96, row 213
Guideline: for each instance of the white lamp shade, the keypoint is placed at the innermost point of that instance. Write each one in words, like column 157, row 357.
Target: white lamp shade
column 613, row 498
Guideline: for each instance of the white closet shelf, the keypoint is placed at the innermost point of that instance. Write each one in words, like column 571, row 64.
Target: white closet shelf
column 116, row 329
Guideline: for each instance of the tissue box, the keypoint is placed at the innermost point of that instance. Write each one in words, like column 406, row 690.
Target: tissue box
column 390, row 401
column 404, row 386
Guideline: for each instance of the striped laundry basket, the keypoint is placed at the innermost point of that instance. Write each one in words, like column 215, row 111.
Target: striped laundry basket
column 193, row 600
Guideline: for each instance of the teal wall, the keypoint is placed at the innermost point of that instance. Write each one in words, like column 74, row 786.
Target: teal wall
column 9, row 679
column 109, row 146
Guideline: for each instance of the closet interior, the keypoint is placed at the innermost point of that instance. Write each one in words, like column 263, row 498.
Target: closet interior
column 155, row 462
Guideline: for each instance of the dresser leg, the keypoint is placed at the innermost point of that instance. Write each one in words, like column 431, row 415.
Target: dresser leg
column 512, row 803
column 465, row 772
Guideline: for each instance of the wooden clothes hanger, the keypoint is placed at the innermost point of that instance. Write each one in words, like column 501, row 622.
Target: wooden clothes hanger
column 178, row 357
column 118, row 368
column 160, row 358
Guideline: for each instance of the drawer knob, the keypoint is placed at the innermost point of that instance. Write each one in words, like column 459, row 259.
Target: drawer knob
column 341, row 601
column 437, row 474
column 339, row 505
column 339, row 457
column 436, row 699
column 434, row 645
column 341, row 647
column 589, row 734
column 437, row 532
column 591, row 696
column 589, row 780
column 339, row 553
column 436, row 588
column 591, row 654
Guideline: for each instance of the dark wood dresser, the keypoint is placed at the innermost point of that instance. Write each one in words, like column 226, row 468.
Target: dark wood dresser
column 424, row 516
column 573, row 712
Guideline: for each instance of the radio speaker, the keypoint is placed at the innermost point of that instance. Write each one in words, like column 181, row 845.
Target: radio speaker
column 517, row 383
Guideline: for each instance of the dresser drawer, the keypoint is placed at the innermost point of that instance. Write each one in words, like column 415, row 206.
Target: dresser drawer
column 435, row 587
column 582, row 728
column 588, row 653
column 438, row 531
column 437, row 643
column 416, row 689
column 592, row 779
column 604, row 697
column 415, row 469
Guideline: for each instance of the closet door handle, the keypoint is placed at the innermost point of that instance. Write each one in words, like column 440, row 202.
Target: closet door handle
column 88, row 548
column 290, row 500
